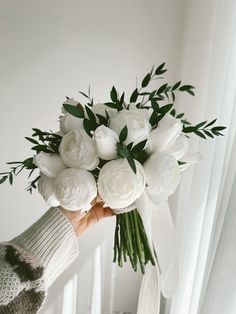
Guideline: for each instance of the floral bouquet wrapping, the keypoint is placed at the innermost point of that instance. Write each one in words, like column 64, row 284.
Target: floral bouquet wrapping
column 120, row 150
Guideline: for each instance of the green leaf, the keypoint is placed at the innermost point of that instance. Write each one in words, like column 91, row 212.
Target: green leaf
column 166, row 108
column 123, row 134
column 179, row 116
column 190, row 92
column 130, row 145
column 122, row 98
column 77, row 112
column 162, row 88
column 199, row 125
column 113, row 94
column 155, row 105
column 146, row 80
column 132, row 163
column 86, row 96
column 28, row 162
column 31, row 140
column 111, row 105
column 189, row 129
column 3, row 179
column 173, row 96
column 187, row 88
column 102, row 119
column 176, row 85
column 88, row 126
column 218, row 128
column 208, row 133
column 173, row 112
column 200, row 134
column 11, row 178
column 211, row 123
column 134, row 96
column 153, row 118
column 42, row 148
column 14, row 162
column 91, row 115
column 139, row 147
column 160, row 69
column 181, row 163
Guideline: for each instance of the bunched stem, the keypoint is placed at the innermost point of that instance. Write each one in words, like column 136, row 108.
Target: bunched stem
column 130, row 240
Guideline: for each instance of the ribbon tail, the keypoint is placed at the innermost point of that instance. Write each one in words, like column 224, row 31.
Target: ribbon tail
column 164, row 277
column 149, row 295
column 164, row 240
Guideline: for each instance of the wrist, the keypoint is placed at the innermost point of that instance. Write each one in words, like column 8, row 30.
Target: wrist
column 77, row 220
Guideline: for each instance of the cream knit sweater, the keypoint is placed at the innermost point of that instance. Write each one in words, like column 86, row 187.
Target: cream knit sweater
column 33, row 260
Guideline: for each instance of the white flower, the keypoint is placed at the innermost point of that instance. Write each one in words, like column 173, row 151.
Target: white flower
column 190, row 158
column 146, row 111
column 169, row 128
column 178, row 148
column 69, row 122
column 46, row 189
column 101, row 109
column 78, row 150
column 106, row 140
column 75, row 189
column 163, row 176
column 137, row 123
column 49, row 164
column 118, row 185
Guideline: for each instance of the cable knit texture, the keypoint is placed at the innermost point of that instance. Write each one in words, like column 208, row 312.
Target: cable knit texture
column 32, row 261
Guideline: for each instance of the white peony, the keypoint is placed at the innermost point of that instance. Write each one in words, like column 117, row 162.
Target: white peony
column 101, row 109
column 78, row 150
column 46, row 189
column 118, row 185
column 162, row 175
column 137, row 123
column 49, row 164
column 69, row 122
column 169, row 128
column 146, row 111
column 75, row 189
column 178, row 148
column 106, row 140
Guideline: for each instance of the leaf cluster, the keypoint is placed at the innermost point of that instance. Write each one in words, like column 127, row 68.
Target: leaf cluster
column 131, row 152
column 15, row 168
column 47, row 142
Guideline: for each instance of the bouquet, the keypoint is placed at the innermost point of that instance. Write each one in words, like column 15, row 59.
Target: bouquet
column 119, row 150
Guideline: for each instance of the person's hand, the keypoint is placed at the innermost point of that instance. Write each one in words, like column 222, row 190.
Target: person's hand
column 82, row 222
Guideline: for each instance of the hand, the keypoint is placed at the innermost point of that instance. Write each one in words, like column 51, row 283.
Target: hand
column 82, row 222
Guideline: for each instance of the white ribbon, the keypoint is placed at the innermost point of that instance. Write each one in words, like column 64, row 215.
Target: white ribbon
column 163, row 277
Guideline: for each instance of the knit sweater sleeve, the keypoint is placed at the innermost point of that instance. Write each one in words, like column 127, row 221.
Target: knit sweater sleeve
column 32, row 261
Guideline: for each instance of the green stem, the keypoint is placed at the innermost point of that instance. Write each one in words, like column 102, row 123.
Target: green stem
column 138, row 241
column 115, row 241
column 148, row 252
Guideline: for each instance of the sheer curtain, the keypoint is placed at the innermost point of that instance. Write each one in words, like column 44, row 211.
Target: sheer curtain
column 204, row 208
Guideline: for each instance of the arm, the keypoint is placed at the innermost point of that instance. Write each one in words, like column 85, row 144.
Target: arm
column 33, row 260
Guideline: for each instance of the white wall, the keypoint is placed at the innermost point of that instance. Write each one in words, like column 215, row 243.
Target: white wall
column 52, row 49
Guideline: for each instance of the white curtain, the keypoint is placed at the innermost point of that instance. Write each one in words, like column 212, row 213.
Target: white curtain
column 204, row 208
